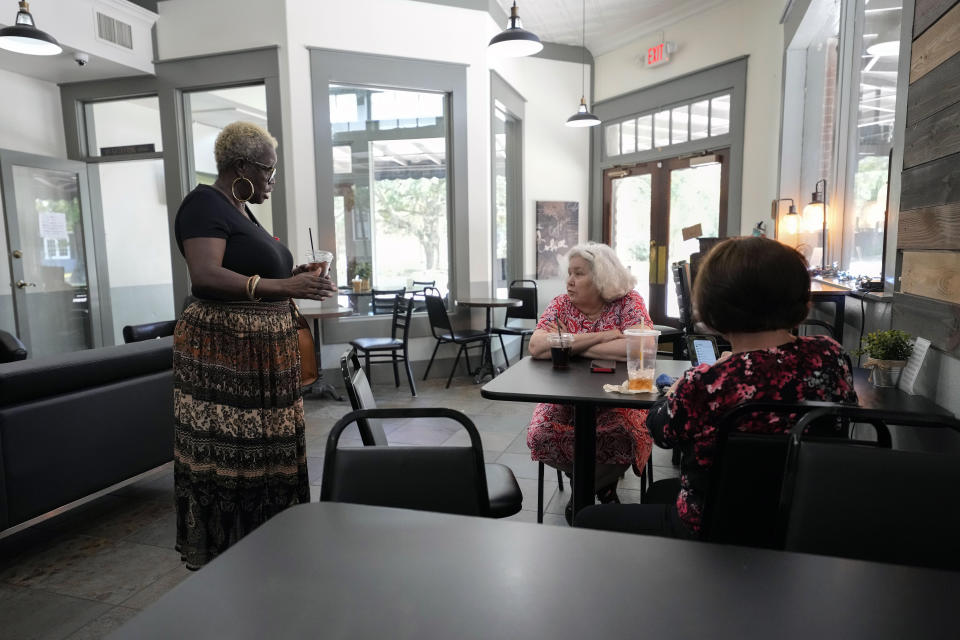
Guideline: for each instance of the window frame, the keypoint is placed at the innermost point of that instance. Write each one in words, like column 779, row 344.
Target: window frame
column 328, row 66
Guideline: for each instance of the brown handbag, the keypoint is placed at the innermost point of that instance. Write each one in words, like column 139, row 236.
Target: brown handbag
column 309, row 372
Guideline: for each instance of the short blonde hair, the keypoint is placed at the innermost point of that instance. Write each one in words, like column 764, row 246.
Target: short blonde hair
column 610, row 277
column 241, row 141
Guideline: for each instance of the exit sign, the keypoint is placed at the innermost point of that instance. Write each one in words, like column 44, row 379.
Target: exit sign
column 659, row 54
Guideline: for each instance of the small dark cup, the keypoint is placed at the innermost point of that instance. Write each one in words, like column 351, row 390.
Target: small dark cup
column 561, row 348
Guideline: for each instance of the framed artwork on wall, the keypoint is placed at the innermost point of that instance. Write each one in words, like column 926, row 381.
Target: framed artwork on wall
column 558, row 229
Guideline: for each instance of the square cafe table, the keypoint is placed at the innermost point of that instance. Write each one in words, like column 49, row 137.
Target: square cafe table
column 537, row 381
column 329, row 570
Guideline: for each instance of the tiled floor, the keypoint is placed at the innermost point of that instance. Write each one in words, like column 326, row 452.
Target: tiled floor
column 85, row 572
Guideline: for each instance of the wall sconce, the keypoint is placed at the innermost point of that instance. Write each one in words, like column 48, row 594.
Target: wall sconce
column 788, row 223
column 815, row 216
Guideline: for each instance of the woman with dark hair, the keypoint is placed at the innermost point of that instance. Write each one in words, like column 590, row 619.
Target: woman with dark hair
column 754, row 291
column 239, row 447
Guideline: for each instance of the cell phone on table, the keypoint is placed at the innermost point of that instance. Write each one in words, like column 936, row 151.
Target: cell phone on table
column 702, row 349
column 603, row 366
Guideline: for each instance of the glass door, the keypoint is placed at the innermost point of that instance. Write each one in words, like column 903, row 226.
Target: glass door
column 52, row 282
column 649, row 210
column 628, row 195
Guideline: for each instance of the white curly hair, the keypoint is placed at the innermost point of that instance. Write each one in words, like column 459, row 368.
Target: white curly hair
column 610, row 277
column 241, row 141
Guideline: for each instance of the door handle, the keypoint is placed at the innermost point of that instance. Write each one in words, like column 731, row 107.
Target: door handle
column 21, row 284
column 653, row 276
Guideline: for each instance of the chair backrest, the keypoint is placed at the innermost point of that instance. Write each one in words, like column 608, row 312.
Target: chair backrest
column 437, row 312
column 444, row 479
column 383, row 299
column 402, row 310
column 526, row 292
column 11, row 349
column 148, row 331
column 742, row 504
column 418, row 287
column 886, row 505
column 684, row 285
column 361, row 397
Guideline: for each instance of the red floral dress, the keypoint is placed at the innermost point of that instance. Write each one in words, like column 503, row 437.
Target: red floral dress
column 622, row 436
column 810, row 368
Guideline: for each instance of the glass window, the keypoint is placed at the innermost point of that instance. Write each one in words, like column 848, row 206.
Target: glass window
column 612, row 139
column 873, row 138
column 720, row 115
column 628, row 136
column 135, row 226
column 391, row 208
column 661, row 129
column 679, row 122
column 699, row 119
column 207, row 113
column 644, row 133
column 131, row 125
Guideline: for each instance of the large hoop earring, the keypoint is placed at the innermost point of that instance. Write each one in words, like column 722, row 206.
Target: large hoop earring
column 233, row 189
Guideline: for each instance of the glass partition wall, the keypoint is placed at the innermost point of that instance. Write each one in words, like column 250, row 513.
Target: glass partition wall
column 390, row 190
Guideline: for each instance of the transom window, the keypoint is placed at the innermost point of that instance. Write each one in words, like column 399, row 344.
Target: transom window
column 706, row 118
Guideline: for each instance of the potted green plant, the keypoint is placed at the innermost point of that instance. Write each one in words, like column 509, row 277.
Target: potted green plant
column 887, row 352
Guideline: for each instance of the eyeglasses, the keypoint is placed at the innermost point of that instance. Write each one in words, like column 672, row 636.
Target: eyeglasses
column 272, row 170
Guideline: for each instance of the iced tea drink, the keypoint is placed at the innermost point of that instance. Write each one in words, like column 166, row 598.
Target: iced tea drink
column 561, row 347
column 641, row 358
column 319, row 262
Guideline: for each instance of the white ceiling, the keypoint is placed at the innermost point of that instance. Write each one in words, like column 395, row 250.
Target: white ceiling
column 610, row 23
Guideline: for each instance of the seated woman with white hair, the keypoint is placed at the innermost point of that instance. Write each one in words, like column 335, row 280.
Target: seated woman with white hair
column 600, row 303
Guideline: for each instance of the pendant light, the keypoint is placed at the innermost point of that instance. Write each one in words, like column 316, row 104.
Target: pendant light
column 515, row 41
column 24, row 37
column 583, row 117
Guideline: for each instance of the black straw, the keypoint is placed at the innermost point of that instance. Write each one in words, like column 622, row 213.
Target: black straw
column 557, row 318
column 310, row 231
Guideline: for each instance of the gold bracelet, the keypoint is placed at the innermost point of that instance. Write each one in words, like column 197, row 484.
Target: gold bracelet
column 252, row 283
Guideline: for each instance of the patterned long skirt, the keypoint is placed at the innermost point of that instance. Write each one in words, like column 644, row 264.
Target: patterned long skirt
column 622, row 436
column 239, row 443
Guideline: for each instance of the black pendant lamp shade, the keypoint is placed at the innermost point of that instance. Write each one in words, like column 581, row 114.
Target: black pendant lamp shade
column 24, row 37
column 583, row 117
column 515, row 41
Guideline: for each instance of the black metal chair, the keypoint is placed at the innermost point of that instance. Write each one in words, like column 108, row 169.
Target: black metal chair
column 504, row 495
column 684, row 285
column 148, row 331
column 886, row 505
column 526, row 292
column 11, row 349
column 417, row 291
column 443, row 333
column 381, row 300
column 742, row 503
column 393, row 349
column 444, row 479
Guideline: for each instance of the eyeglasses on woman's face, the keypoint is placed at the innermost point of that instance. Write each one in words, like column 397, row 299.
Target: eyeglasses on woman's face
column 271, row 171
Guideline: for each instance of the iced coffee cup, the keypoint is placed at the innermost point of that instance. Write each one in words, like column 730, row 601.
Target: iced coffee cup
column 641, row 358
column 319, row 262
column 561, row 345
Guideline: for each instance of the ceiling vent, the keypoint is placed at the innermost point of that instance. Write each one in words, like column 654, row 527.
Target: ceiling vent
column 112, row 30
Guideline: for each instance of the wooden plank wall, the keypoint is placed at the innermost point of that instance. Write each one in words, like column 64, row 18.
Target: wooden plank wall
column 927, row 298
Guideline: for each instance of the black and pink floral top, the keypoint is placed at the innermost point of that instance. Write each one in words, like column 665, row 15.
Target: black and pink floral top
column 810, row 368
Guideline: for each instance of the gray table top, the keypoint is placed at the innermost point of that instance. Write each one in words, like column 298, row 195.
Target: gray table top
column 537, row 381
column 349, row 571
column 489, row 302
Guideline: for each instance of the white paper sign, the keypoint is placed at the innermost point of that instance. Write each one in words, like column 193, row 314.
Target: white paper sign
column 53, row 224
column 908, row 378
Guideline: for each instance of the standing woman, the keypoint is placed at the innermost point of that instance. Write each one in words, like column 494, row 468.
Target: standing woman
column 600, row 303
column 239, row 446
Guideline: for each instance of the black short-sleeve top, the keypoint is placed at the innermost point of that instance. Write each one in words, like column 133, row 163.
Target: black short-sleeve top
column 251, row 250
